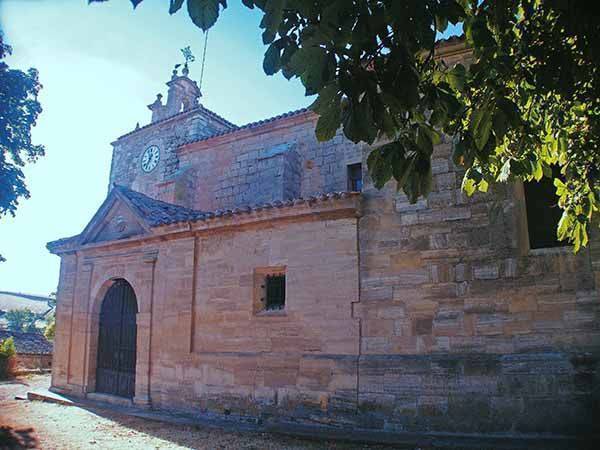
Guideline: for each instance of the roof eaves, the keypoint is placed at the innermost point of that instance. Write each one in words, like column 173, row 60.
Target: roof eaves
column 251, row 125
column 278, row 204
column 178, row 115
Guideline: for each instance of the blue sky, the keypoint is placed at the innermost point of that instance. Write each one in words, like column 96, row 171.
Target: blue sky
column 100, row 66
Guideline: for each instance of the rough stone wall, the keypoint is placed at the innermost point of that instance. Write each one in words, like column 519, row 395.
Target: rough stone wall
column 26, row 361
column 260, row 176
column 457, row 326
column 167, row 135
column 389, row 326
column 238, row 360
column 64, row 308
column 463, row 327
column 277, row 161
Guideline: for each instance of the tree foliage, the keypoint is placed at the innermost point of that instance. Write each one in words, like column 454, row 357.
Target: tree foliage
column 526, row 103
column 7, row 351
column 19, row 110
column 21, row 320
column 50, row 329
column 7, row 348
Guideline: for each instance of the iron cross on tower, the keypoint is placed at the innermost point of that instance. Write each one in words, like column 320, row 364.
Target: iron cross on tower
column 189, row 57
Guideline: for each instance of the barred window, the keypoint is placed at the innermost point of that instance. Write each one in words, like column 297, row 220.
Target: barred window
column 355, row 177
column 274, row 292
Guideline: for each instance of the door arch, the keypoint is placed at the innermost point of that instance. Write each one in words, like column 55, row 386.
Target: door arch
column 115, row 369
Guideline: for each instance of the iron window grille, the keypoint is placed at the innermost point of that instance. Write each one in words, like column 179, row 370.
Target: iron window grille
column 355, row 177
column 275, row 292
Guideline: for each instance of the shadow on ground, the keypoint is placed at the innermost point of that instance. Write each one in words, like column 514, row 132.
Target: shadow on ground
column 197, row 436
column 17, row 438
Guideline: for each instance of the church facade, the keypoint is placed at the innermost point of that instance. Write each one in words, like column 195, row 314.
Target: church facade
column 253, row 271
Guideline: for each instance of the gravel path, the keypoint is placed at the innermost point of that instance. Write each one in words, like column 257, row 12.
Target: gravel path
column 25, row 424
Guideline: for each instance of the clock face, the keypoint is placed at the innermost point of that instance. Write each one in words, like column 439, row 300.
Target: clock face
column 150, row 158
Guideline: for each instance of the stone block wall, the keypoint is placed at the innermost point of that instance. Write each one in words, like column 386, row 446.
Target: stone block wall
column 260, row 176
column 270, row 362
column 279, row 160
column 168, row 135
column 32, row 361
column 463, row 326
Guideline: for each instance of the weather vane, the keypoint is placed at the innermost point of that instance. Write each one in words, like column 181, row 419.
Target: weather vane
column 188, row 55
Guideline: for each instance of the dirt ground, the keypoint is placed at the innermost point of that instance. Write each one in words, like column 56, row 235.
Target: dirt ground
column 25, row 424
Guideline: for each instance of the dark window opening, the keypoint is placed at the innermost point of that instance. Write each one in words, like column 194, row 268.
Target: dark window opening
column 543, row 213
column 355, row 177
column 275, row 292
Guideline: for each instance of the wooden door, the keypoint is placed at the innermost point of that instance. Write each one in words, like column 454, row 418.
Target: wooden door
column 115, row 373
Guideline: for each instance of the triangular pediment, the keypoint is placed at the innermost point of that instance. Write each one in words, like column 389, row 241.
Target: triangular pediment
column 116, row 219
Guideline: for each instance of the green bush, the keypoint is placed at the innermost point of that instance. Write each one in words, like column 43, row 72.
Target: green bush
column 7, row 351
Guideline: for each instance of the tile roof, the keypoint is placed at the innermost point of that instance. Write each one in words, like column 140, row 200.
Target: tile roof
column 450, row 40
column 207, row 111
column 250, row 125
column 28, row 343
column 157, row 212
column 162, row 213
column 310, row 200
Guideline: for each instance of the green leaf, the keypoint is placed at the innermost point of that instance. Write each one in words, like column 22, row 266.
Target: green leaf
column 538, row 172
column 458, row 152
column 504, row 171
column 204, row 13
column 441, row 23
column 456, row 77
column 328, row 124
column 272, row 61
column 272, row 19
column 468, row 185
column 564, row 226
column 483, row 186
column 500, row 125
column 175, row 6
column 309, row 64
column 481, row 125
column 328, row 107
column 379, row 167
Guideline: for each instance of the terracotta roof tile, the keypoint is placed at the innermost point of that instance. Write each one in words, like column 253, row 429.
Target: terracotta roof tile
column 250, row 125
column 28, row 343
column 157, row 212
column 182, row 113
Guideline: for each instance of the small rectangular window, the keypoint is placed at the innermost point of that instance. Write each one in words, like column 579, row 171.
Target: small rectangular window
column 355, row 177
column 275, row 292
column 269, row 289
column 543, row 213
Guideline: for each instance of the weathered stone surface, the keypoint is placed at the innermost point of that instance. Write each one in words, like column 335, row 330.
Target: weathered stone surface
column 434, row 316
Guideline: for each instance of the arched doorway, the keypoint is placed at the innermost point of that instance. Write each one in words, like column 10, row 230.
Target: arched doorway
column 115, row 370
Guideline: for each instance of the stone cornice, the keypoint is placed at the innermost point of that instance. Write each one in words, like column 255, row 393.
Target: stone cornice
column 253, row 129
column 322, row 207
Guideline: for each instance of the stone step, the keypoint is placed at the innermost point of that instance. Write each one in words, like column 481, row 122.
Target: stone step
column 44, row 395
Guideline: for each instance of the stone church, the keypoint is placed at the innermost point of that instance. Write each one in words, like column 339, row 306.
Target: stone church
column 254, row 272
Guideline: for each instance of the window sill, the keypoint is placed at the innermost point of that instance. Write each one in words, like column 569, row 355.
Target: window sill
column 271, row 313
column 563, row 250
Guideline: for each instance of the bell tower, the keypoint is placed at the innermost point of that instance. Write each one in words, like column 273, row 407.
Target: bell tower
column 183, row 95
